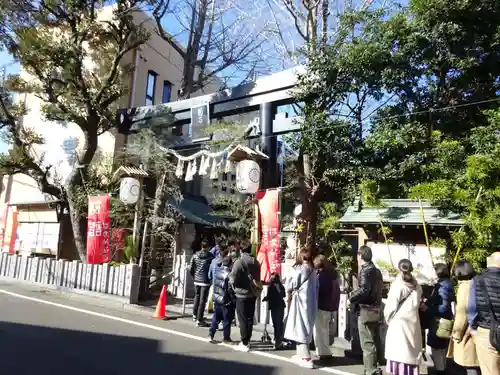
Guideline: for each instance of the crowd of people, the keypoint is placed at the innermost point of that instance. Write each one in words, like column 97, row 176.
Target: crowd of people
column 302, row 308
column 471, row 335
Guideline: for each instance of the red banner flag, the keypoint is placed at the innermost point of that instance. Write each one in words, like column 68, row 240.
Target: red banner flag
column 98, row 230
column 269, row 254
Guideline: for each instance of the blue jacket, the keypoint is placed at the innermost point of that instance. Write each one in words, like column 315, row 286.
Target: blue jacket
column 439, row 306
column 223, row 293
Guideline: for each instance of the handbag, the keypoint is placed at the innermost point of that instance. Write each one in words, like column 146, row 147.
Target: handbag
column 255, row 285
column 494, row 324
column 444, row 328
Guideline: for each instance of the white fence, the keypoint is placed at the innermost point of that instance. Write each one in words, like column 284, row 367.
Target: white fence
column 121, row 281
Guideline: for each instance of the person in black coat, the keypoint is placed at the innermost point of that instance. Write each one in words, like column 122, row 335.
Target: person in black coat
column 276, row 303
column 224, row 299
column 437, row 306
column 199, row 269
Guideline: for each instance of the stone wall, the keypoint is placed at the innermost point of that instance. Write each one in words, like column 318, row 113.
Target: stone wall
column 121, row 281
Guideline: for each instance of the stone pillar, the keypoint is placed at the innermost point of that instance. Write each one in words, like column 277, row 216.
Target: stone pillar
column 61, row 268
column 261, row 308
column 66, row 282
column 96, row 268
column 342, row 316
column 12, row 266
column 52, row 271
column 3, row 257
column 182, row 262
column 23, row 268
column 75, row 279
column 5, row 265
column 104, row 282
column 114, row 279
column 132, row 282
column 122, row 274
column 35, row 270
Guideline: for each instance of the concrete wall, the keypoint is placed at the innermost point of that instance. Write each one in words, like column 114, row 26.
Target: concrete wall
column 121, row 281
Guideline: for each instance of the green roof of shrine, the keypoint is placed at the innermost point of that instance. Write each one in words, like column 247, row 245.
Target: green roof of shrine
column 399, row 212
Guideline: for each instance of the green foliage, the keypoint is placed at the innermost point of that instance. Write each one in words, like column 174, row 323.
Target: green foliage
column 340, row 252
column 73, row 61
column 470, row 188
column 239, row 215
column 99, row 181
column 328, row 221
column 438, row 242
column 387, row 268
column 129, row 249
column 432, row 70
column 440, row 83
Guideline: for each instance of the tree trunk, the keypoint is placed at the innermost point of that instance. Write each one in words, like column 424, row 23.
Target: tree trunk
column 76, row 179
column 309, row 204
column 159, row 197
column 79, row 230
column 309, row 219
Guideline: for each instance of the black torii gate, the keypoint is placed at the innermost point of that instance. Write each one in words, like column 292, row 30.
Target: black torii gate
column 262, row 98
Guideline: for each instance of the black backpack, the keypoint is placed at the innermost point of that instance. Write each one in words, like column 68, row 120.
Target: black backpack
column 494, row 324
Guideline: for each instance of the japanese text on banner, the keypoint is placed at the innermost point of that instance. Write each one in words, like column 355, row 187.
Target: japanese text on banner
column 269, row 254
column 98, row 230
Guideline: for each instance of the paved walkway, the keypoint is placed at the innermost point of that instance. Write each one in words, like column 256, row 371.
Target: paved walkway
column 86, row 334
column 45, row 333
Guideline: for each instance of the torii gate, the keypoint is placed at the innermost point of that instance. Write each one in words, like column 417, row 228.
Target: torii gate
column 262, row 97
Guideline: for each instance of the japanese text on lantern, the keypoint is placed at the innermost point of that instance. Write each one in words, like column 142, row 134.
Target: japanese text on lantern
column 98, row 230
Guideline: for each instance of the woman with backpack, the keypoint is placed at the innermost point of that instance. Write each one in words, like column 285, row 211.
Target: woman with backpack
column 404, row 337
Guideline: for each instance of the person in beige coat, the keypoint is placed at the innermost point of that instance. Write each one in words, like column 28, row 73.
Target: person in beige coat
column 404, row 336
column 462, row 347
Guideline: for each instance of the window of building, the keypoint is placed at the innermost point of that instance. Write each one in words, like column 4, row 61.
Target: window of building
column 224, row 182
column 233, row 183
column 177, row 131
column 167, row 91
column 151, row 88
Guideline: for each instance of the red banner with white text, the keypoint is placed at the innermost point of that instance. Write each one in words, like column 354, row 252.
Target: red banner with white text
column 98, row 230
column 269, row 254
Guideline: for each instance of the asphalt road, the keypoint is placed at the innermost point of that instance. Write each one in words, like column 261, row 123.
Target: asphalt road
column 44, row 333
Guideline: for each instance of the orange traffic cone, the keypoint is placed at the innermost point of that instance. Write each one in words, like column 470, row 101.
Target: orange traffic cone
column 160, row 312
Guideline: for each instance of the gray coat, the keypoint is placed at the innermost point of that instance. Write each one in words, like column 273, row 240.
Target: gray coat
column 239, row 275
column 303, row 283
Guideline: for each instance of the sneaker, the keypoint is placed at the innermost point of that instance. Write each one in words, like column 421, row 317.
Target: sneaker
column 228, row 342
column 194, row 318
column 201, row 324
column 306, row 363
column 243, row 348
column 210, row 338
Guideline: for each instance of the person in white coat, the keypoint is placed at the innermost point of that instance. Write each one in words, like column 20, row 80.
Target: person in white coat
column 404, row 337
column 302, row 289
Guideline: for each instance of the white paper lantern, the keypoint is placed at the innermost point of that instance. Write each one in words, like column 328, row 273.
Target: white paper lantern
column 247, row 177
column 129, row 190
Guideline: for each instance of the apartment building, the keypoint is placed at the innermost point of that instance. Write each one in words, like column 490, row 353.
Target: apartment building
column 28, row 220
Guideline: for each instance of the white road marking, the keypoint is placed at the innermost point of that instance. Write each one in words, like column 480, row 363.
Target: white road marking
column 161, row 329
